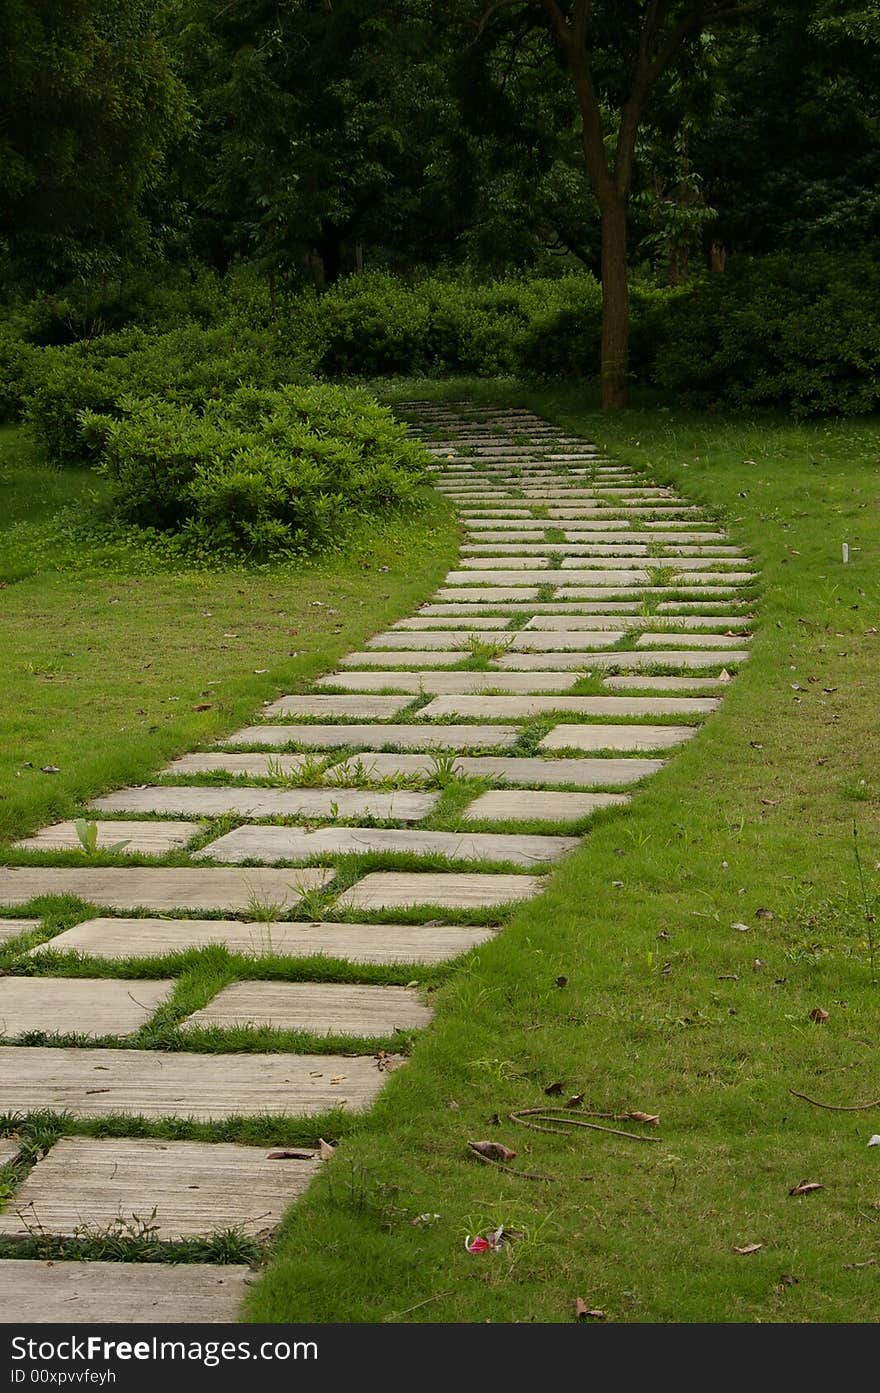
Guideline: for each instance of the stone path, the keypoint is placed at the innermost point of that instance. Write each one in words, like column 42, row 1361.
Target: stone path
column 591, row 624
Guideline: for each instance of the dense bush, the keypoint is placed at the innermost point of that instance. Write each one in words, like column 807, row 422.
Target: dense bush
column 262, row 470
column 801, row 333
column 376, row 324
column 187, row 365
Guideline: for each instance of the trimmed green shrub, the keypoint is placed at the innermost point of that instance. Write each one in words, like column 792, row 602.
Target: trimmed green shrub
column 19, row 368
column 262, row 471
column 188, row 365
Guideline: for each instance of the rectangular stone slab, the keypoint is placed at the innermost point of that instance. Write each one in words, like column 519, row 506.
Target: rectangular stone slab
column 323, row 1008
column 11, row 928
column 120, row 1293
column 421, row 657
column 404, row 889
column 663, row 684
column 203, row 1087
column 486, row 594
column 545, row 622
column 147, row 838
column 457, row 641
column 272, row 802
column 182, row 888
column 255, row 765
column 564, row 608
column 10, row 1149
column 599, row 737
column 503, row 805
column 606, row 576
column 557, row 640
column 443, row 682
column 673, row 657
column 666, row 637
column 77, row 1005
column 269, row 844
column 360, row 943
column 522, row 707
column 414, row 737
column 525, row 771
column 478, row 622
column 358, row 708
column 196, row 1188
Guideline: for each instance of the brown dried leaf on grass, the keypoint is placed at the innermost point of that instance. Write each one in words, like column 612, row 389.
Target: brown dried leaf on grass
column 651, row 1119
column 584, row 1312
column 806, row 1187
column 819, row 1015
column 492, row 1150
column 748, row 1248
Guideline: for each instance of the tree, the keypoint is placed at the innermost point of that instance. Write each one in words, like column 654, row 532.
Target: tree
column 88, row 103
column 320, row 127
column 623, row 59
column 790, row 155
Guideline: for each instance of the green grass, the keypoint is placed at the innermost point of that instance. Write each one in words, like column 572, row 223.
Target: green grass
column 662, row 1008
column 104, row 661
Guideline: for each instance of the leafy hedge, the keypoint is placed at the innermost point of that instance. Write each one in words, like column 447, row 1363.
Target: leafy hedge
column 262, row 470
column 801, row 333
column 188, row 365
column 798, row 333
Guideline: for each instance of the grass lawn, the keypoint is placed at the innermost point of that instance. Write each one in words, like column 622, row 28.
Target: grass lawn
column 628, row 982
column 110, row 662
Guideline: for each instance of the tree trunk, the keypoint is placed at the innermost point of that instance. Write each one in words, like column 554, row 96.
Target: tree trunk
column 615, row 305
column 329, row 249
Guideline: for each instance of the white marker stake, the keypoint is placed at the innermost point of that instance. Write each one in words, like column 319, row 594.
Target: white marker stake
column 845, row 552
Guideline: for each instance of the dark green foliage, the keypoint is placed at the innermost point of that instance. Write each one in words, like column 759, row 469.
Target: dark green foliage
column 377, row 324
column 261, row 470
column 802, row 333
column 187, row 365
column 88, row 101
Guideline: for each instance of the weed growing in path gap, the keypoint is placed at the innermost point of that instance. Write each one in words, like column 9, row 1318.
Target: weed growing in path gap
column 87, row 832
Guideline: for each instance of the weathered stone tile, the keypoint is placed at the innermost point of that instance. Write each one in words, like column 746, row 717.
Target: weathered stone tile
column 202, row 1087
column 322, row 1008
column 267, row 844
column 77, row 1005
column 182, row 888
column 195, row 1189
column 405, row 889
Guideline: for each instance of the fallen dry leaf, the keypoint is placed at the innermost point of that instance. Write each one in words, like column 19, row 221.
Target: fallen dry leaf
column 562, row 981
column 749, row 1248
column 651, row 1119
column 740, row 928
column 492, row 1150
column 325, row 1149
column 290, row 1156
column 806, row 1187
column 575, row 1100
column 819, row 1016
column 764, row 914
column 203, row 706
column 554, row 1088
column 584, row 1312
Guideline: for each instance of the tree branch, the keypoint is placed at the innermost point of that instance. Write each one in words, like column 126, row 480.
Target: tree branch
column 558, row 23
column 490, row 13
